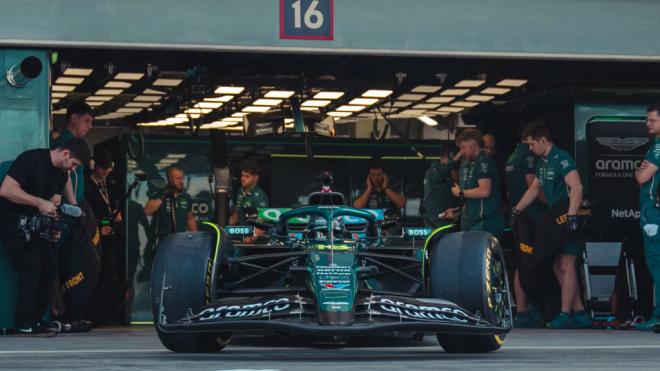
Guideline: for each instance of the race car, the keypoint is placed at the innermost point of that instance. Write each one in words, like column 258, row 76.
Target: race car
column 330, row 271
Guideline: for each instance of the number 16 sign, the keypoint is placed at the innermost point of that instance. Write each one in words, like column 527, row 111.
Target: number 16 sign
column 307, row 19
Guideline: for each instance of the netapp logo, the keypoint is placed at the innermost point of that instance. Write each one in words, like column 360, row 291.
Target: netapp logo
column 622, row 144
column 625, row 213
column 605, row 165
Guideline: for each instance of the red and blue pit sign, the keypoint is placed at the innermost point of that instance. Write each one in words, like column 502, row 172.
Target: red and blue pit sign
column 307, row 19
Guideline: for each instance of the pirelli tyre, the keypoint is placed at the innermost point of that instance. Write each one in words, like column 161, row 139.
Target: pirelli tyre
column 467, row 268
column 184, row 279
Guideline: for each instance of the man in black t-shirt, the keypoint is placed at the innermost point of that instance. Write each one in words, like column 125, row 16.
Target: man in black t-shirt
column 35, row 184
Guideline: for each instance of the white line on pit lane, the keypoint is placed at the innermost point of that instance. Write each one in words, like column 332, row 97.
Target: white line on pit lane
column 504, row 348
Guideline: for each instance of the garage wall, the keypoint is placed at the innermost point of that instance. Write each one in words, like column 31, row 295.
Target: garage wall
column 617, row 29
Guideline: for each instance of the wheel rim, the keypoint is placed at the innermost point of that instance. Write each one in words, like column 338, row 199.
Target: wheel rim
column 498, row 295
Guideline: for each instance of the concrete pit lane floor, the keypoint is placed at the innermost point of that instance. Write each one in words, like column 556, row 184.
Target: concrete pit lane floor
column 138, row 348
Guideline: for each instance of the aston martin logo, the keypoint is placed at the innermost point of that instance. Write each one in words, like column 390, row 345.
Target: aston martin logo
column 622, row 144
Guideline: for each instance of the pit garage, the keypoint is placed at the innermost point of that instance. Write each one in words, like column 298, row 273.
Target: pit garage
column 299, row 107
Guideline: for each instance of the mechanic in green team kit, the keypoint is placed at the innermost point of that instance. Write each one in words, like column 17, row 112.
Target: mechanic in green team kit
column 557, row 176
column 479, row 187
column 648, row 177
column 437, row 190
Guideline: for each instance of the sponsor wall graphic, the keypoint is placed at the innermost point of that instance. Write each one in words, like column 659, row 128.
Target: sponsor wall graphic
column 615, row 151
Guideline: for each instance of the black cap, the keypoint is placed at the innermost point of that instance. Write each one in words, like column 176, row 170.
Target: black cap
column 103, row 159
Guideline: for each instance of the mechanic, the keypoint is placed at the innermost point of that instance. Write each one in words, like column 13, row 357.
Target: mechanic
column 108, row 293
column 648, row 177
column 520, row 169
column 437, row 190
column 250, row 196
column 176, row 215
column 557, row 177
column 478, row 186
column 79, row 122
column 378, row 194
column 35, row 184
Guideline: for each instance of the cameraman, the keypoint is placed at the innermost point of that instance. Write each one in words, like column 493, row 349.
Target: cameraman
column 34, row 185
column 177, row 214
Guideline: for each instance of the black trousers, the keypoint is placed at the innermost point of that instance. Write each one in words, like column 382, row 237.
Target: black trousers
column 35, row 262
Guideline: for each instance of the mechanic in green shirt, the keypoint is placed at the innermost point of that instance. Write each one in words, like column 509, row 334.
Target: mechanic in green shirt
column 557, row 177
column 79, row 121
column 437, row 191
column 163, row 201
column 648, row 177
column 520, row 169
column 478, row 186
column 249, row 196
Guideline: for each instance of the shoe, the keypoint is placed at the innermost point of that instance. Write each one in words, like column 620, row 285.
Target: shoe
column 562, row 321
column 649, row 325
column 32, row 328
column 526, row 320
column 581, row 319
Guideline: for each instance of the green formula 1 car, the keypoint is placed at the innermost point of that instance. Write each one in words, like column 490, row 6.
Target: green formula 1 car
column 330, row 271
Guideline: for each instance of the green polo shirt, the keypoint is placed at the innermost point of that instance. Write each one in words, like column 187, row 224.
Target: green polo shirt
column 162, row 222
column 254, row 197
column 481, row 213
column 77, row 180
column 519, row 164
column 648, row 190
column 437, row 194
column 551, row 171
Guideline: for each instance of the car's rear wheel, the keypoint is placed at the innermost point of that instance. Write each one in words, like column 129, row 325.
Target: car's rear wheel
column 467, row 268
column 183, row 280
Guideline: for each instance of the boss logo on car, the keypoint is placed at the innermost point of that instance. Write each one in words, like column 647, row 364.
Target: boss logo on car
column 245, row 310
column 423, row 311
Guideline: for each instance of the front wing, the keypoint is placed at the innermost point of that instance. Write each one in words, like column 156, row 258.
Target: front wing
column 297, row 314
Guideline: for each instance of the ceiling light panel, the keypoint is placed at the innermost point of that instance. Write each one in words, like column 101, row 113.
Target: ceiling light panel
column 78, row 72
column 329, row 95
column 222, row 98
column 255, row 109
column 58, row 95
column 363, row 101
column 279, row 94
column 411, row 96
column 129, row 110
column 495, row 91
column 375, row 93
column 428, row 89
column 96, row 98
column 211, row 105
column 512, row 83
column 238, row 114
column 109, row 91
column 316, row 103
column 439, row 100
column 167, row 82
column 118, row 84
column 233, row 119
column 339, row 114
column 232, row 90
column 129, row 76
column 197, row 111
column 480, row 98
column 470, row 83
column 427, row 120
column 147, row 98
column 153, row 92
column 455, row 92
column 69, row 80
column 66, row 88
column 310, row 109
column 138, row 104
column 465, row 104
column 450, row 109
column 426, row 106
column 94, row 104
column 191, row 115
column 349, row 108
column 267, row 102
